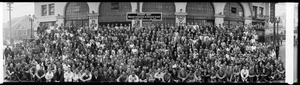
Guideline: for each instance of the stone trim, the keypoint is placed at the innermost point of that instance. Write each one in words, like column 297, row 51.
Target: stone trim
column 219, row 16
column 180, row 13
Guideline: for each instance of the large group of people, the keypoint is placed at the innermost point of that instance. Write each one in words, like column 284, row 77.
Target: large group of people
column 157, row 53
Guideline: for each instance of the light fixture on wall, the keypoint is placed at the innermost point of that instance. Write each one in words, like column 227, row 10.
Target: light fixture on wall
column 220, row 13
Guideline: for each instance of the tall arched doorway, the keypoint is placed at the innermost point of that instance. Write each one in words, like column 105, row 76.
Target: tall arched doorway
column 200, row 12
column 234, row 14
column 167, row 9
column 114, row 13
column 76, row 14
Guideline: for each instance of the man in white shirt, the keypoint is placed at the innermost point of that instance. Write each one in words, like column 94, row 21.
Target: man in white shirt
column 68, row 76
column 49, row 75
column 244, row 74
column 159, row 75
column 64, row 56
column 38, row 66
column 133, row 77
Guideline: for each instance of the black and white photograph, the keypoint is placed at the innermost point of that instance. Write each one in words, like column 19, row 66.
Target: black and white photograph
column 163, row 42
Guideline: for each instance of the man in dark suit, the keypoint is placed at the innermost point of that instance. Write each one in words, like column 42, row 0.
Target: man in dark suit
column 277, row 50
column 7, row 51
column 96, row 76
column 59, row 75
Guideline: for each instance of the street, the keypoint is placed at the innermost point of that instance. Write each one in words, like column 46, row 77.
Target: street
column 295, row 63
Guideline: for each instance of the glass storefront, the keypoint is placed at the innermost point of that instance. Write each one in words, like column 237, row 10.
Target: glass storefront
column 77, row 14
column 167, row 9
column 200, row 13
column 234, row 14
column 114, row 13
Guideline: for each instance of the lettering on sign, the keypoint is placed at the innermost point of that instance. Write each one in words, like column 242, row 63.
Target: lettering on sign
column 152, row 16
column 77, row 18
column 93, row 17
column 180, row 17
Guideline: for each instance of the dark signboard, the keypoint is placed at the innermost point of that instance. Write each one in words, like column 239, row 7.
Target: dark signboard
column 152, row 16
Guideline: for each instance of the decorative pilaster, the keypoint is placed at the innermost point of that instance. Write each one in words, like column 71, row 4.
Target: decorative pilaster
column 93, row 19
column 180, row 18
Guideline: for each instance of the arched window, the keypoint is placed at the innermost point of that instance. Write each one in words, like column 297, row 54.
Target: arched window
column 200, row 12
column 113, row 12
column 234, row 14
column 167, row 9
column 77, row 14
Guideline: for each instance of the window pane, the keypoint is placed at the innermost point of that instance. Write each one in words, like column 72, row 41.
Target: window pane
column 114, row 5
column 44, row 10
column 107, row 14
column 233, row 10
column 167, row 9
column 51, row 9
column 77, row 11
column 203, row 9
column 261, row 11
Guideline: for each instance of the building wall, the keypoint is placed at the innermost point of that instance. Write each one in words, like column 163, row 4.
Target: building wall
column 260, row 5
column 296, row 16
column 38, row 13
column 94, row 6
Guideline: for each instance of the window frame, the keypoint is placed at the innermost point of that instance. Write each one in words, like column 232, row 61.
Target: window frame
column 231, row 10
column 255, row 11
column 115, row 6
column 50, row 11
column 261, row 9
column 44, row 10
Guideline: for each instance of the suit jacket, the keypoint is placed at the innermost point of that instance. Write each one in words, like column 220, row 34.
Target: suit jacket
column 96, row 78
column 59, row 76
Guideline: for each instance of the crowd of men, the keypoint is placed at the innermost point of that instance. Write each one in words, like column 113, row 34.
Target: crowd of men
column 157, row 53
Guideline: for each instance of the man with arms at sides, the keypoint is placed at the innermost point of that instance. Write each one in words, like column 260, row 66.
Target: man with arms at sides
column 229, row 73
column 236, row 73
column 251, row 74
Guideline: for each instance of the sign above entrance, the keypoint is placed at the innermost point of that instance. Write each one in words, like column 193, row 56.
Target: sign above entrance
column 152, row 16
column 76, row 17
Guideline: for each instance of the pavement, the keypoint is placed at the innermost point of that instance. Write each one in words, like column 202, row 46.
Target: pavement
column 282, row 52
column 295, row 63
